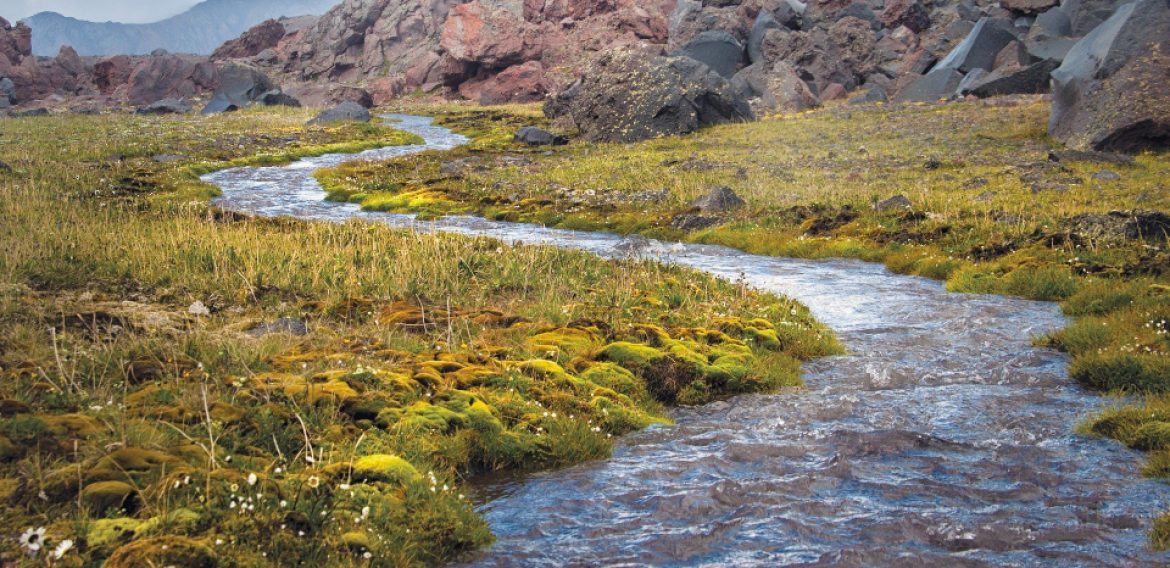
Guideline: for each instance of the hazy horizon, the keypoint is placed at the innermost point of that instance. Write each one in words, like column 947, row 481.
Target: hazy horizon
column 127, row 11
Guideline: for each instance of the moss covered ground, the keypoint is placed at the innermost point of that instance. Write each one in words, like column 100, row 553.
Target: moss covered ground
column 992, row 206
column 185, row 386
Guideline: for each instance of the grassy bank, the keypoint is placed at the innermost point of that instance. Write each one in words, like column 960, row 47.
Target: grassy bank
column 988, row 208
column 180, row 384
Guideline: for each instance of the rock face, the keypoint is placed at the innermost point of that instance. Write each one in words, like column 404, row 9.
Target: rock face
column 626, row 96
column 1110, row 92
column 265, row 35
column 772, row 88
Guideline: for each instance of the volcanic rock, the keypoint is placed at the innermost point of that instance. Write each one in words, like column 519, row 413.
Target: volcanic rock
column 265, row 35
column 344, row 112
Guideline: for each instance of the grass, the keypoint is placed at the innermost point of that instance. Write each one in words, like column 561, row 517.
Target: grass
column 991, row 212
column 145, row 417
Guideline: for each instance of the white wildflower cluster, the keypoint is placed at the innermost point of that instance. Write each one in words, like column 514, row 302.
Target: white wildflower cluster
column 33, row 541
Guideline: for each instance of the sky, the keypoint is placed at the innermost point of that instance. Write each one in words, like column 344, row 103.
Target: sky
column 129, row 11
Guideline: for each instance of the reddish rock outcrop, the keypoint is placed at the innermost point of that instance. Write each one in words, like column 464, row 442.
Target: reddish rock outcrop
column 111, row 73
column 265, row 35
column 170, row 77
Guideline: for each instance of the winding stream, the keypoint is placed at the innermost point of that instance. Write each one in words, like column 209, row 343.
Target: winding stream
column 943, row 438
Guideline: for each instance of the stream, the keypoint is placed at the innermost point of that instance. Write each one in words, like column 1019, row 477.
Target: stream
column 943, row 438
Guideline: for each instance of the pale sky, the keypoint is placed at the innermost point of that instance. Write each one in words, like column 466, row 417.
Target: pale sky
column 130, row 11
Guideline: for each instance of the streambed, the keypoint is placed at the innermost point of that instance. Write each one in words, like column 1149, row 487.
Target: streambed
column 943, row 438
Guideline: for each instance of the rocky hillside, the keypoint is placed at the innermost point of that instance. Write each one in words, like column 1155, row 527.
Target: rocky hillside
column 198, row 30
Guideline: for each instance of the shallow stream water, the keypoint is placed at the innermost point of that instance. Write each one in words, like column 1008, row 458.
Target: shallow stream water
column 943, row 438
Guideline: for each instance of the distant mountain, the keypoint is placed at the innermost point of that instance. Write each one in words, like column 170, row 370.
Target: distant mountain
column 199, row 30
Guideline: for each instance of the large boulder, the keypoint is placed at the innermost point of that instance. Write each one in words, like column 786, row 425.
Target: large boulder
column 774, row 87
column 170, row 76
column 940, row 83
column 265, row 35
column 490, row 34
column 1012, row 80
column 979, row 49
column 239, row 86
column 628, row 96
column 843, row 53
column 111, row 73
column 716, row 49
column 165, row 106
column 909, row 13
column 1110, row 93
column 344, row 112
column 517, row 84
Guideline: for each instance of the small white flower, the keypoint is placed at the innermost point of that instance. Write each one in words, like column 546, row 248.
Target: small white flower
column 252, row 479
column 62, row 548
column 33, row 539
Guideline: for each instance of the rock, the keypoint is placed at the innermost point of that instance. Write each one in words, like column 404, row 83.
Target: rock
column 1086, row 15
column 291, row 326
column 692, row 17
column 517, row 84
column 1109, row 94
column 764, row 22
column 5, row 168
column 893, row 203
column 1107, row 175
column 276, row 97
column 720, row 200
column 1013, row 80
column 331, row 94
column 165, row 106
column 979, row 49
column 534, row 136
column 909, row 13
column 459, row 166
column 32, row 112
column 111, row 73
column 774, row 87
column 1118, row 226
column 1029, row 6
column 198, row 309
column 716, row 49
column 633, row 245
column 844, row 53
column 239, row 87
column 265, row 35
column 688, row 222
column 170, row 76
column 626, row 96
column 1091, row 156
column 487, row 34
column 940, row 83
column 167, row 158
column 873, row 95
column 1049, row 36
column 344, row 112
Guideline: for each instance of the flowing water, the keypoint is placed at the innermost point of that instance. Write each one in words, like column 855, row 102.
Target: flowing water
column 943, row 438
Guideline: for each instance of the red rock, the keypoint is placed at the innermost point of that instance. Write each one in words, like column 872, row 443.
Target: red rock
column 386, row 89
column 15, row 41
column 265, row 35
column 516, row 84
column 110, row 73
column 833, row 92
column 909, row 13
column 491, row 36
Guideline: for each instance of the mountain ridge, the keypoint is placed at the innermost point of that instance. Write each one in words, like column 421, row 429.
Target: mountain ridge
column 198, row 30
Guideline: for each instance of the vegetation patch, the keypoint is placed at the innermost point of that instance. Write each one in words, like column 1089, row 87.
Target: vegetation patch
column 179, row 384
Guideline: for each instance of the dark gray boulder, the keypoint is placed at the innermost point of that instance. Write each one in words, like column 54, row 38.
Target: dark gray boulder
column 628, row 95
column 979, row 48
column 1111, row 91
column 720, row 200
column 345, row 112
column 278, row 98
column 32, row 112
column 7, row 91
column 718, row 50
column 874, row 94
column 165, row 106
column 291, row 326
column 534, row 136
column 239, row 86
column 1013, row 80
column 941, row 83
column 1050, row 35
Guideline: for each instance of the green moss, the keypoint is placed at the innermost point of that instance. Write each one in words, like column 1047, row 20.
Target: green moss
column 385, row 468
column 104, row 533
column 163, row 551
column 105, row 496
